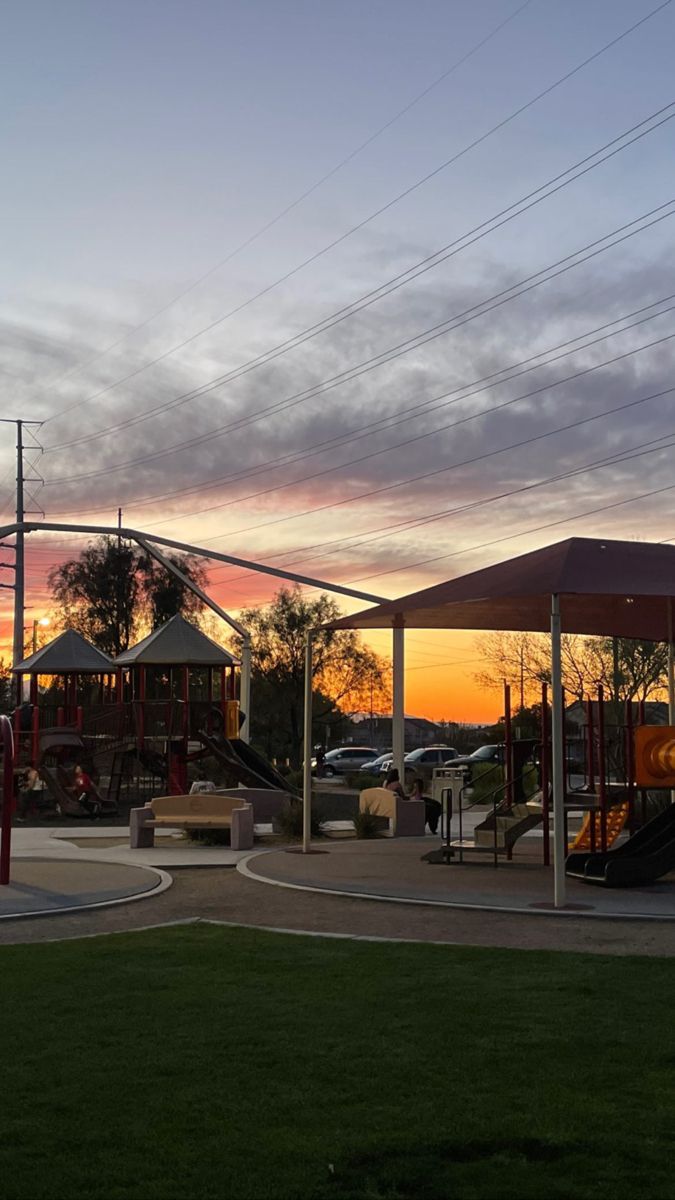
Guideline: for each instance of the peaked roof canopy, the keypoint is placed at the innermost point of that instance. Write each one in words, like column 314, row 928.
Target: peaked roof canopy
column 605, row 587
column 69, row 652
column 176, row 643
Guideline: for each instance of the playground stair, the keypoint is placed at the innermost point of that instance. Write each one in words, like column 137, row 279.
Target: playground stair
column 615, row 822
column 499, row 832
column 503, row 830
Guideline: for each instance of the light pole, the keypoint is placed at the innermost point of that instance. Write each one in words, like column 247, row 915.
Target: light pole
column 40, row 621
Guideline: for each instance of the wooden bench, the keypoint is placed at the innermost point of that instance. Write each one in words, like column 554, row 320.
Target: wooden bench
column 406, row 818
column 202, row 811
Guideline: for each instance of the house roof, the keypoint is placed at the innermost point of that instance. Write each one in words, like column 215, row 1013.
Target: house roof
column 605, row 587
column 176, row 643
column 69, row 652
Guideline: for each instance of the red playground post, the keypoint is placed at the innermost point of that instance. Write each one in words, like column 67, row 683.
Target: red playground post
column 7, row 797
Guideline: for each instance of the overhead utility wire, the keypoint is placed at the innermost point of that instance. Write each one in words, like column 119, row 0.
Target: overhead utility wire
column 641, row 450
column 430, row 262
column 420, row 437
column 384, row 208
column 349, row 542
column 591, row 512
column 289, row 207
column 427, row 474
column 407, row 414
column 513, row 292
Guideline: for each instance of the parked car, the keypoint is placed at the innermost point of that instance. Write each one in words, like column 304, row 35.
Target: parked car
column 421, row 762
column 374, row 766
column 345, row 759
column 484, row 754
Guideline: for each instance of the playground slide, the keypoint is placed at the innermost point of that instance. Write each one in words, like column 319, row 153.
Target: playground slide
column 244, row 763
column 645, row 857
column 616, row 819
column 55, row 788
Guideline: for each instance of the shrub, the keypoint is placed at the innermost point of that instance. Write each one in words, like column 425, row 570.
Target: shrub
column 289, row 821
column 360, row 780
column 367, row 823
column 485, row 778
column 208, row 837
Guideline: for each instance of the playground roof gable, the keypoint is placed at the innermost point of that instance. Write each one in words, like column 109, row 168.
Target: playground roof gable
column 622, row 589
column 67, row 653
column 176, row 643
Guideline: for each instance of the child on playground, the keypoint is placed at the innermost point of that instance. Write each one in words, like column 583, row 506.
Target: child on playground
column 85, row 791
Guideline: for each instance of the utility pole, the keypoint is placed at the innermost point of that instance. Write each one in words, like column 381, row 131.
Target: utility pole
column 19, row 549
column 19, row 574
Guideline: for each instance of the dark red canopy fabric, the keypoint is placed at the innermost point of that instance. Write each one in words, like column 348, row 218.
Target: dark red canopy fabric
column 622, row 589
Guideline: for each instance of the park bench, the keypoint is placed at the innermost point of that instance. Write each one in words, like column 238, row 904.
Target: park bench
column 406, row 818
column 202, row 811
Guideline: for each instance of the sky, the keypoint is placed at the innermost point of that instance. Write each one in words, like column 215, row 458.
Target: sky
column 273, row 281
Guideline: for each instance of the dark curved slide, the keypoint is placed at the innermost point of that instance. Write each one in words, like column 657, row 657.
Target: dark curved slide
column 645, row 857
column 245, row 764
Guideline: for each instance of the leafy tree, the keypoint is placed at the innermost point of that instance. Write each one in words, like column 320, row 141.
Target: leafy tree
column 111, row 591
column 165, row 595
column 7, row 692
column 343, row 672
column 628, row 669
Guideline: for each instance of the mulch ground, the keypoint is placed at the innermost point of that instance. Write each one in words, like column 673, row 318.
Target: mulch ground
column 225, row 895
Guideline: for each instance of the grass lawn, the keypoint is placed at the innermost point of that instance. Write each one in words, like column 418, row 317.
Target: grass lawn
column 212, row 1062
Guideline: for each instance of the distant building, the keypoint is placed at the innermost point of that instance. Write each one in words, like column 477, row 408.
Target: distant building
column 656, row 713
column 377, row 731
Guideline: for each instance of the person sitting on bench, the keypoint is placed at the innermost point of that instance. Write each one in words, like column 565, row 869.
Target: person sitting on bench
column 432, row 808
column 393, row 783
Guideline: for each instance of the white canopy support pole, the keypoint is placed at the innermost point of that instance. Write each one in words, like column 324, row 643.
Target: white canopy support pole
column 307, row 751
column 245, row 688
column 558, row 772
column 398, row 699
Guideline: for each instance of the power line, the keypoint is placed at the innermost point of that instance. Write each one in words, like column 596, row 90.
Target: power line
column 289, row 207
column 392, row 528
column 529, row 283
column 412, row 412
column 591, row 512
column 430, row 262
column 390, row 204
column 451, row 425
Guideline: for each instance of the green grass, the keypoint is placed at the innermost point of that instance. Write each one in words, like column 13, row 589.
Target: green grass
column 215, row 1063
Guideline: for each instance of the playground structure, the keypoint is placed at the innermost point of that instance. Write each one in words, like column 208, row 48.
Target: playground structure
column 583, row 585
column 600, row 782
column 134, row 723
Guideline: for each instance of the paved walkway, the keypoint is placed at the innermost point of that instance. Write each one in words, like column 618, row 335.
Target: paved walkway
column 227, row 895
column 394, row 869
column 51, row 885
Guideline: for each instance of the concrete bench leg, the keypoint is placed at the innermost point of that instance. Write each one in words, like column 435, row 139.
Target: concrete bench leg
column 241, row 837
column 141, row 835
column 410, row 818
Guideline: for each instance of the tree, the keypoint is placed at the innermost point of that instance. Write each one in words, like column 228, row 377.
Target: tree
column 343, row 671
column 111, row 590
column 165, row 595
column 7, row 691
column 627, row 669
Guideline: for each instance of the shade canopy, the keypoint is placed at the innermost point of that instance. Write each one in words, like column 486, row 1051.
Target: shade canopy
column 176, row 643
column 69, row 653
column 612, row 588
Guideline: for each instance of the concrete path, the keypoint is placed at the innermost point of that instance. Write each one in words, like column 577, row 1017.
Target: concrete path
column 40, row 885
column 228, row 896
column 396, row 870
